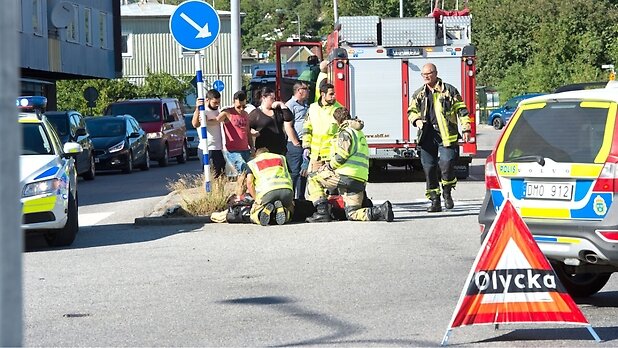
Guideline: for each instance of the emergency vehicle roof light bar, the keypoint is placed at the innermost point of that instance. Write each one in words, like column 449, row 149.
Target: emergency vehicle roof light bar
column 36, row 104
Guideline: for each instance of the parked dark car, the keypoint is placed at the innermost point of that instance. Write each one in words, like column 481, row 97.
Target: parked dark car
column 193, row 140
column 119, row 143
column 70, row 127
column 162, row 119
column 499, row 117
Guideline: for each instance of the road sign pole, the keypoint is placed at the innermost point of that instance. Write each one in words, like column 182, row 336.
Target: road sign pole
column 203, row 133
column 11, row 236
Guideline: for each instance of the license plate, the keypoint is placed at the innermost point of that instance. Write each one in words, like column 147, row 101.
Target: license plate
column 96, row 160
column 549, row 190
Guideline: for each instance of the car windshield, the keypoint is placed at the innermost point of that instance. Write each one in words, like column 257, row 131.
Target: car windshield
column 60, row 122
column 142, row 112
column 188, row 123
column 35, row 140
column 562, row 131
column 106, row 127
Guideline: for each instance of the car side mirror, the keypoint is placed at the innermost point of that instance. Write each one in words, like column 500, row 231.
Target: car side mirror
column 80, row 132
column 71, row 149
column 134, row 135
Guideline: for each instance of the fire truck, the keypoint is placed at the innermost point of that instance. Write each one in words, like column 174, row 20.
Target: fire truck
column 375, row 65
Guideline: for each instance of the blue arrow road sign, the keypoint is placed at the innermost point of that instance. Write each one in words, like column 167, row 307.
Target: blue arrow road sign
column 195, row 25
column 218, row 85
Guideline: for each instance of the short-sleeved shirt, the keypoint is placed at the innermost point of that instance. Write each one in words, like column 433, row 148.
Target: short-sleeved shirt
column 236, row 132
column 213, row 130
column 299, row 112
column 272, row 136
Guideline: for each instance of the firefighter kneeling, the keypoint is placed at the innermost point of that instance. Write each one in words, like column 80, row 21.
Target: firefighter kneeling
column 347, row 171
column 269, row 181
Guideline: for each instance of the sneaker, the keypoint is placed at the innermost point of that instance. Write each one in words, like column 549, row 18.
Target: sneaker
column 264, row 215
column 280, row 215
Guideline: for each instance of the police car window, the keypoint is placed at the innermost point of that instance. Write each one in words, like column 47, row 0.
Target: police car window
column 35, row 140
column 563, row 132
column 60, row 123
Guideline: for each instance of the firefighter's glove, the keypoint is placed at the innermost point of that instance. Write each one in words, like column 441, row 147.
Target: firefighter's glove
column 304, row 167
column 306, row 153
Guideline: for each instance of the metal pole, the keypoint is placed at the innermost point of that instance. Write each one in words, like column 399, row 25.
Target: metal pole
column 235, row 39
column 400, row 8
column 335, row 12
column 11, row 235
column 203, row 133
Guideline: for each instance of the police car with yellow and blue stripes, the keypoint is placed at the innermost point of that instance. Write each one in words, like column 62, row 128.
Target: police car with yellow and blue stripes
column 48, row 178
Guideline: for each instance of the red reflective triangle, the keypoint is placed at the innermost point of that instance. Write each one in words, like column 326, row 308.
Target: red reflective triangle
column 511, row 280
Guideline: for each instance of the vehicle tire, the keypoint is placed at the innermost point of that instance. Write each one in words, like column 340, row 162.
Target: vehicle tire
column 580, row 285
column 129, row 167
column 165, row 160
column 90, row 174
column 146, row 165
column 182, row 158
column 66, row 235
column 497, row 123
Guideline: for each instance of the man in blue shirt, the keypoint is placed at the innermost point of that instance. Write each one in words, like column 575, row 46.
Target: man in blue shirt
column 294, row 129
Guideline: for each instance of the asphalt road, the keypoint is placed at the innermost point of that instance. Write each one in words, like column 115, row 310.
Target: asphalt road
column 334, row 284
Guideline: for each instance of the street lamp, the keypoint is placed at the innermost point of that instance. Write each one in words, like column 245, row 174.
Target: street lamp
column 297, row 21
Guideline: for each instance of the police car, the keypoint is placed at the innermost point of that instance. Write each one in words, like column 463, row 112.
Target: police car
column 48, row 178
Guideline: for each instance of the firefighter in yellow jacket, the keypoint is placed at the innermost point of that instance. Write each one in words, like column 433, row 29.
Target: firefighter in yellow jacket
column 270, row 184
column 434, row 110
column 348, row 171
column 320, row 128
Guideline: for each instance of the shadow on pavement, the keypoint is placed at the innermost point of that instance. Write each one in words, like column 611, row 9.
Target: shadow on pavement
column 340, row 329
column 106, row 235
column 560, row 334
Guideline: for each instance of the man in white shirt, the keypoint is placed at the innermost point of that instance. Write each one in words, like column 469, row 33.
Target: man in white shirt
column 213, row 130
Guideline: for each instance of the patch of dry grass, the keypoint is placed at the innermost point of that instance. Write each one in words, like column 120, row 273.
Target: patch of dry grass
column 195, row 200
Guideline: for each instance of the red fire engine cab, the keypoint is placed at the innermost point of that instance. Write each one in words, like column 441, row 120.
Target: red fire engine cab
column 375, row 66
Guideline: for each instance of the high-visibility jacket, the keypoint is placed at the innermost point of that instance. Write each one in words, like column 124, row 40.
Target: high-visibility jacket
column 448, row 106
column 351, row 152
column 270, row 172
column 319, row 129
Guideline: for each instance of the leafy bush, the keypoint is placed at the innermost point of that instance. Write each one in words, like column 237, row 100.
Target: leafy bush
column 195, row 200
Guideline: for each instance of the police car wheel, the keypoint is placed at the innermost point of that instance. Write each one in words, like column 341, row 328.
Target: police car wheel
column 66, row 235
column 580, row 285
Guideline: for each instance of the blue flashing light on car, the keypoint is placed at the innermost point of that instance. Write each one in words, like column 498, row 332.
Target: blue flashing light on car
column 32, row 103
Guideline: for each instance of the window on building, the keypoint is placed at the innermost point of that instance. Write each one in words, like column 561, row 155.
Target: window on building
column 103, row 29
column 37, row 23
column 88, row 26
column 127, row 44
column 73, row 28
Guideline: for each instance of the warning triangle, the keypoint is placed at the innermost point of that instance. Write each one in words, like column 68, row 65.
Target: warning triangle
column 511, row 281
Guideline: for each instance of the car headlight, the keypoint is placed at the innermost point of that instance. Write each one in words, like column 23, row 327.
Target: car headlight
column 155, row 135
column 41, row 187
column 116, row 147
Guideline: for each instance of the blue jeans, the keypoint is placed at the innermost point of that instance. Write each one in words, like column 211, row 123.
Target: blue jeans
column 238, row 160
column 295, row 160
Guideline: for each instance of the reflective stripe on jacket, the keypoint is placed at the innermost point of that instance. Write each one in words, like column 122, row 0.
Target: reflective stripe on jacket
column 350, row 152
column 319, row 129
column 270, row 172
column 448, row 106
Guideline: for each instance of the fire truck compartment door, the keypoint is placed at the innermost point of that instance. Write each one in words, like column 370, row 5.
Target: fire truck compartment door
column 449, row 71
column 375, row 97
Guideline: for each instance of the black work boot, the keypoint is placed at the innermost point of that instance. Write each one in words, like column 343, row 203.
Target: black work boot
column 448, row 199
column 322, row 214
column 382, row 212
column 435, row 203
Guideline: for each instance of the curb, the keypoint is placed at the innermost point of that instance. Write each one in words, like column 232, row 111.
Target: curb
column 166, row 220
column 159, row 215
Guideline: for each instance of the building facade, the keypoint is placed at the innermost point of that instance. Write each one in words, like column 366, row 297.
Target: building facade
column 59, row 40
column 148, row 45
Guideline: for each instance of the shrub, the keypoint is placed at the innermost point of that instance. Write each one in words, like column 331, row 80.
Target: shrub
column 195, row 200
